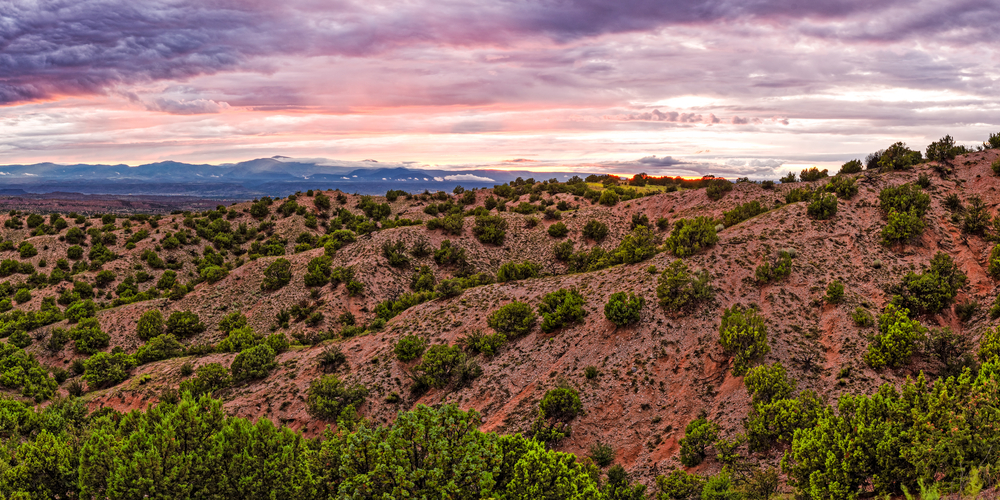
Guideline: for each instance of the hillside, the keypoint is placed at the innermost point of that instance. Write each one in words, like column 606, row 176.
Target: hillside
column 653, row 377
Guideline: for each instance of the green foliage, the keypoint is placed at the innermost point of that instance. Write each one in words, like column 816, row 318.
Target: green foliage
column 995, row 166
column 451, row 224
column 395, row 253
column 851, row 167
column 159, row 348
column 209, row 378
column 680, row 289
column 253, row 363
column 778, row 269
column 277, row 275
column 150, row 324
column 318, row 271
column 106, row 369
column 717, row 188
column 895, row 439
column 183, row 324
column 688, row 236
column 898, row 157
column 22, row 295
column 698, row 435
column 480, row 343
column 490, row 229
column 88, row 337
column 624, row 309
column 637, row 246
column 901, row 227
column 989, row 344
column 768, row 383
column 904, row 198
column 977, row 217
column 609, row 198
column 80, row 310
column 595, row 230
column 238, row 340
column 775, row 422
column 933, row 290
column 834, row 292
column 328, row 397
column 389, row 309
column 813, row 174
column 896, row 338
column 512, row 271
column 679, row 485
column 743, row 212
column 558, row 407
column 561, row 308
column 944, row 150
column 743, row 335
column 558, row 230
column 822, row 207
column 439, row 364
column 20, row 370
column 602, row 454
column 410, row 347
column 514, row 320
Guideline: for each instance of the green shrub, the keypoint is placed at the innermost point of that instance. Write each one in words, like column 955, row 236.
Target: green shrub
column 897, row 335
column 80, row 310
column 159, row 348
column 743, row 335
column 898, row 157
column 834, row 292
column 277, row 275
column 995, row 166
column 512, row 271
column 558, row 230
column 328, row 397
column 931, row 291
column 862, row 317
column 106, row 369
column 780, row 268
column 698, row 435
column 623, row 309
column 395, row 253
column 479, row 343
column 637, row 246
column 253, row 363
column 776, row 421
column 813, row 174
column 851, row 167
column 22, row 295
column 901, row 227
column 679, row 485
column 439, row 364
column 514, row 320
column 238, row 340
column 410, row 347
column 88, row 336
column 318, row 271
column 451, row 224
column 743, row 212
column 977, row 217
column 679, row 289
column 688, row 236
column 609, row 198
column 19, row 339
column 989, row 344
column 150, row 325
column 210, row 377
column 767, row 383
column 27, row 250
column 232, row 321
column 823, row 207
column 904, row 198
column 595, row 230
column 602, row 454
column 591, row 372
column 994, row 261
column 561, row 308
column 74, row 252
column 924, row 181
column 717, row 188
column 183, row 324
column 557, row 408
column 490, row 229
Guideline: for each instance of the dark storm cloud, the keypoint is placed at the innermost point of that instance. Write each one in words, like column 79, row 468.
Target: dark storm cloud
column 59, row 47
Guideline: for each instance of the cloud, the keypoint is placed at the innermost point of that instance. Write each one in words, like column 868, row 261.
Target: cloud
column 466, row 177
column 665, row 161
column 669, row 116
column 187, row 107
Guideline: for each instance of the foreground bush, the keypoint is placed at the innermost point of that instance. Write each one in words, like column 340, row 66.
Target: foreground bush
column 514, row 320
column 743, row 335
column 680, row 289
column 897, row 336
column 561, row 308
column 688, row 236
column 623, row 309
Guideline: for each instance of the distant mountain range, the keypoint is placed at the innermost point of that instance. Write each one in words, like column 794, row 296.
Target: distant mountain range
column 276, row 176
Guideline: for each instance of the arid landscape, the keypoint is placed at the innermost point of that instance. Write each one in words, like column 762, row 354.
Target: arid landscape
column 639, row 384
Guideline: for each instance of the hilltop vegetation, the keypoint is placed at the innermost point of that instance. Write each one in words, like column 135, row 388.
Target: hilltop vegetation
column 594, row 338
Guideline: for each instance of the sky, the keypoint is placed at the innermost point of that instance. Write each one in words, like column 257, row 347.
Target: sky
column 723, row 87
